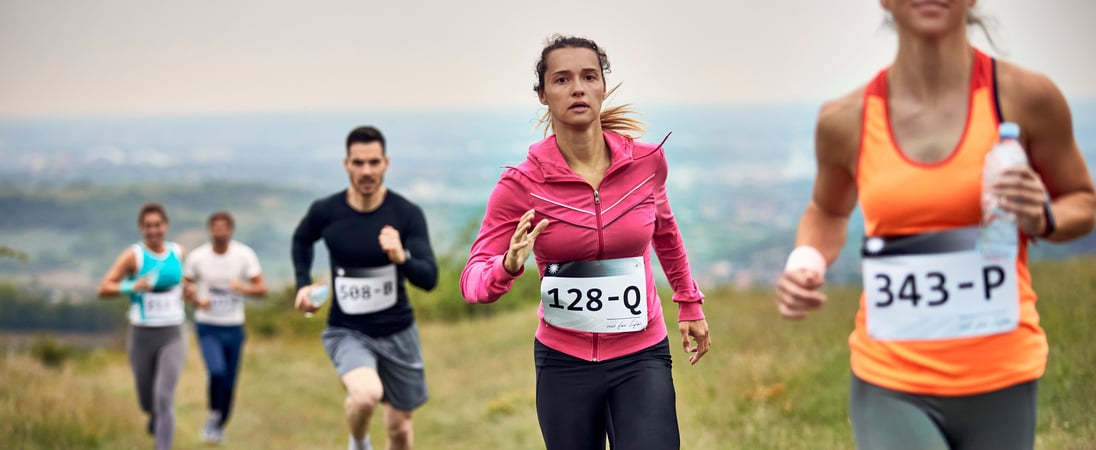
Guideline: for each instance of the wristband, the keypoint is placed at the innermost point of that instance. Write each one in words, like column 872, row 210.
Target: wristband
column 806, row 257
column 1048, row 216
column 126, row 287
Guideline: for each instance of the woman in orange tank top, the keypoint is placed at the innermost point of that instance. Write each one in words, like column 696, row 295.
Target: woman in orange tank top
column 947, row 346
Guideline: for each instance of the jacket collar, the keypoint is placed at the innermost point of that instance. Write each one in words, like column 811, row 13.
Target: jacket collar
column 545, row 161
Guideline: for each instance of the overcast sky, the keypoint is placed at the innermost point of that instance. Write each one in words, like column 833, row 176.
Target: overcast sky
column 135, row 57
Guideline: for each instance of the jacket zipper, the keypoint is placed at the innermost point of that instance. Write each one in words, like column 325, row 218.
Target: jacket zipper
column 600, row 250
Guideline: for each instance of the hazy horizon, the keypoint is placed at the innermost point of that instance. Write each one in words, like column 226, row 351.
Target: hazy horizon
column 122, row 58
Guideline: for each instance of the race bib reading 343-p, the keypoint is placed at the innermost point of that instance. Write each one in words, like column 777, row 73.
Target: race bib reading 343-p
column 606, row 296
column 937, row 286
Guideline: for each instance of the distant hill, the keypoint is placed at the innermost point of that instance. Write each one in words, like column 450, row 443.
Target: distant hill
column 70, row 188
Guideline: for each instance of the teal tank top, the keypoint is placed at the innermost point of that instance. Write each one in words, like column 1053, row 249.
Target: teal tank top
column 163, row 306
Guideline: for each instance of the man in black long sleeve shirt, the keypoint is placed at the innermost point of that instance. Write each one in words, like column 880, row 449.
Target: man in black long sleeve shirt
column 376, row 239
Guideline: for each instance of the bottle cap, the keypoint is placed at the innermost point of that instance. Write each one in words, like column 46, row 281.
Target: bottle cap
column 1009, row 130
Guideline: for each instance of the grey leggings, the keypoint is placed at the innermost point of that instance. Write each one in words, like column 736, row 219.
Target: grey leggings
column 157, row 355
column 883, row 419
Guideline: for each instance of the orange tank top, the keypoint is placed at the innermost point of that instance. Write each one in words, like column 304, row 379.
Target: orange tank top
column 899, row 196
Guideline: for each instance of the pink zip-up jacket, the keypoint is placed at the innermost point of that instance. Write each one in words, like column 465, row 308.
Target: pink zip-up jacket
column 623, row 218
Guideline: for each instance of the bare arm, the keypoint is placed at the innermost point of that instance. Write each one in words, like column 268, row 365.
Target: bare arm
column 190, row 292
column 837, row 142
column 824, row 222
column 1046, row 127
column 124, row 265
column 256, row 286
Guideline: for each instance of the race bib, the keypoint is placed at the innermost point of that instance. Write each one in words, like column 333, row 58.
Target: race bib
column 365, row 290
column 937, row 286
column 607, row 296
column 164, row 305
column 223, row 301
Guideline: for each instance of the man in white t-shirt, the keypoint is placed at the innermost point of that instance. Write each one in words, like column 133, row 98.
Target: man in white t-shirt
column 224, row 271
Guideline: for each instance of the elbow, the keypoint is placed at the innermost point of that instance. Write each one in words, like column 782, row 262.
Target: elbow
column 472, row 299
column 472, row 294
column 483, row 281
column 430, row 283
column 1090, row 222
column 1086, row 225
column 1078, row 220
column 467, row 292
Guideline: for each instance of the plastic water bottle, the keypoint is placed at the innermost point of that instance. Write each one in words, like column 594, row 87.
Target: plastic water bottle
column 999, row 232
column 318, row 297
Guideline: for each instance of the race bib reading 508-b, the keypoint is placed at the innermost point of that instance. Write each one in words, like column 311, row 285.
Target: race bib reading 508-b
column 937, row 286
column 365, row 290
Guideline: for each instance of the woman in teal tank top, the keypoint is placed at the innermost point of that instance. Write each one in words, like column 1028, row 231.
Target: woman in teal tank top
column 151, row 273
column 162, row 303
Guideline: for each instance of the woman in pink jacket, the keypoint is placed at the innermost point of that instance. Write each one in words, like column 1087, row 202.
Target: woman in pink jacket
column 598, row 202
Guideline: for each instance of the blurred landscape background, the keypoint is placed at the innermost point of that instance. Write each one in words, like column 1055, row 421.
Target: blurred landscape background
column 70, row 188
column 244, row 105
column 739, row 179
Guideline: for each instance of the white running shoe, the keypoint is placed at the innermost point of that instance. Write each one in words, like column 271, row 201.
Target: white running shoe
column 212, row 431
column 363, row 445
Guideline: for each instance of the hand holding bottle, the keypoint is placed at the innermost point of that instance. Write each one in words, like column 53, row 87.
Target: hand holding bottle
column 310, row 298
column 1013, row 196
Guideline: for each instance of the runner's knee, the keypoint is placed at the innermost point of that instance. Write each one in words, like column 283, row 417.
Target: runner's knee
column 362, row 400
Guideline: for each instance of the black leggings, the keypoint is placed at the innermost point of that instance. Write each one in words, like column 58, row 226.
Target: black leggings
column 629, row 399
column 884, row 419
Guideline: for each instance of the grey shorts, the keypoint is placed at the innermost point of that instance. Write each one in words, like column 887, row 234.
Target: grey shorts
column 397, row 358
column 886, row 419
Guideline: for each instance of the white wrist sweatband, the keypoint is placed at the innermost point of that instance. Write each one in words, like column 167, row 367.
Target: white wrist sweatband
column 806, row 257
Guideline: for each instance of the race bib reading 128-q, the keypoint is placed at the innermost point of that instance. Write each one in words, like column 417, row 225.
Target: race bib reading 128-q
column 606, row 296
column 937, row 286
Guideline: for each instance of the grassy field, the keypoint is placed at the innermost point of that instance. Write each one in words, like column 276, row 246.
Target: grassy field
column 768, row 383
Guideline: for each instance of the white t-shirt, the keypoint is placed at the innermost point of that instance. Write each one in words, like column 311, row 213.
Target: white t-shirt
column 214, row 274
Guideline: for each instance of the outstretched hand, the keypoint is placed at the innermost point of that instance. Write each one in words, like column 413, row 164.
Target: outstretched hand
column 521, row 243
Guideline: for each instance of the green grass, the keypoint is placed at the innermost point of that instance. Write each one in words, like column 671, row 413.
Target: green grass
column 767, row 384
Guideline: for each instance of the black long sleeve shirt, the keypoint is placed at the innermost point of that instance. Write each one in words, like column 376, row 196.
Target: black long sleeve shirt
column 352, row 242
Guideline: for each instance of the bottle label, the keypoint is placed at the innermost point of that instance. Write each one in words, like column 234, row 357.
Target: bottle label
column 365, row 290
column 937, row 285
column 605, row 296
